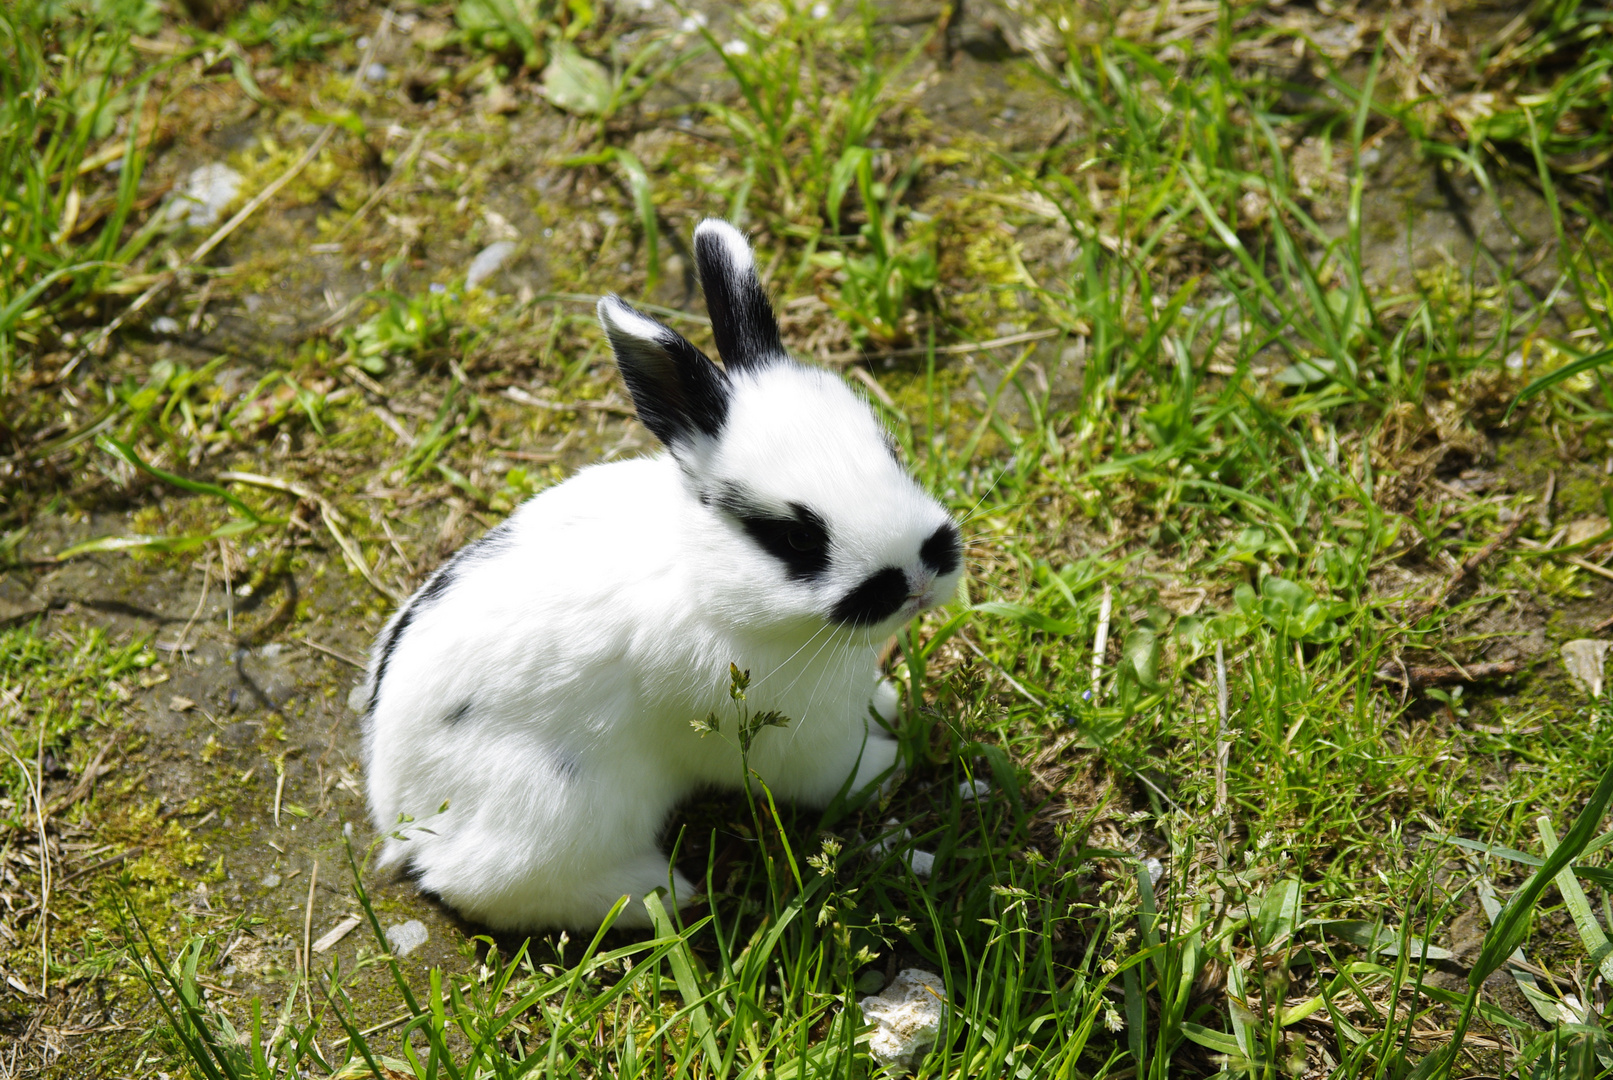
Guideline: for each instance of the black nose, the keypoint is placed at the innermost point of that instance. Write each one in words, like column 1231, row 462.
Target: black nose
column 943, row 550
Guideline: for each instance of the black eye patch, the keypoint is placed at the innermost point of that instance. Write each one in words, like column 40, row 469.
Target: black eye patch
column 799, row 541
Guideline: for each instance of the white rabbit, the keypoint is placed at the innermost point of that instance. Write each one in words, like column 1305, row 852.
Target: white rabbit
column 544, row 683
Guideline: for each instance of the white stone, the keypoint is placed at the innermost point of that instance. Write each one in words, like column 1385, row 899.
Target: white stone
column 1586, row 659
column 205, row 194
column 487, row 262
column 907, row 1018
column 921, row 863
column 970, row 790
column 357, row 699
column 165, row 324
column 1585, row 528
column 405, row 938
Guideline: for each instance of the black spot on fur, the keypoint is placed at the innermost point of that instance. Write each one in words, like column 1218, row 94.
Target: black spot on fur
column 566, row 766
column 942, row 551
column 800, row 540
column 453, row 718
column 677, row 391
column 875, row 600
column 741, row 318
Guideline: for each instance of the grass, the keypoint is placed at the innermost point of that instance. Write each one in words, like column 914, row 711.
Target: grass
column 1191, row 813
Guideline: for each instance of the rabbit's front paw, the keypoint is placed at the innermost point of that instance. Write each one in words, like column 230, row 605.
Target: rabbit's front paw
column 879, row 755
column 886, row 702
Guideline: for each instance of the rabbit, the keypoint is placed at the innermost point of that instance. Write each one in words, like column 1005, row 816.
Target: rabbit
column 534, row 708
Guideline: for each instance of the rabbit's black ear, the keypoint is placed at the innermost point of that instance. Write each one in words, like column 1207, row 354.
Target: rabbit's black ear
column 741, row 318
column 678, row 392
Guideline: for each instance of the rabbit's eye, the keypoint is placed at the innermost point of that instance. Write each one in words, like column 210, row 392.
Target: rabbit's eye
column 804, row 540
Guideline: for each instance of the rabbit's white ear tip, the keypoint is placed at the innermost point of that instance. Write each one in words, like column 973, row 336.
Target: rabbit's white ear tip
column 732, row 240
column 619, row 318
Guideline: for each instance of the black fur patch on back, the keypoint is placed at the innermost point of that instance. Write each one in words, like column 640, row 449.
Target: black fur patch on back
column 487, row 545
column 943, row 550
column 799, row 540
column 388, row 643
column 875, row 600
column 437, row 583
column 741, row 318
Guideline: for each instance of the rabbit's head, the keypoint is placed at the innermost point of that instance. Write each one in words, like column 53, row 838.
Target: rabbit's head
column 820, row 517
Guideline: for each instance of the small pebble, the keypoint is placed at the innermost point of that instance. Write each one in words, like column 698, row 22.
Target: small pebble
column 271, row 880
column 201, row 199
column 487, row 262
column 165, row 324
column 357, row 699
column 405, row 938
column 970, row 790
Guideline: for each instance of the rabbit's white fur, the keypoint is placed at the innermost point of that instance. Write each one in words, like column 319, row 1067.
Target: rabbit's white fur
column 543, row 684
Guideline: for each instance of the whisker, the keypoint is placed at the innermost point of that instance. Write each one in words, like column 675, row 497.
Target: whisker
column 812, row 697
column 797, row 652
column 816, row 686
column 981, row 501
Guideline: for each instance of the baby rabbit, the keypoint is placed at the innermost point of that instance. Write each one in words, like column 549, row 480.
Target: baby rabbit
column 543, row 683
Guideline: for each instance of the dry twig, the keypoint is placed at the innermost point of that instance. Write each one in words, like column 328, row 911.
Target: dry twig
column 1415, row 675
column 1474, row 561
column 92, row 771
column 1100, row 643
column 166, row 280
column 333, row 523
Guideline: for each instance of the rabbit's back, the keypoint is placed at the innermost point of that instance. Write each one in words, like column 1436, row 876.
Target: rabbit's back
column 522, row 649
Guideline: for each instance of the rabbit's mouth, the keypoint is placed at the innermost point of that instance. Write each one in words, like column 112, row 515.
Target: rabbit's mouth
column 917, row 602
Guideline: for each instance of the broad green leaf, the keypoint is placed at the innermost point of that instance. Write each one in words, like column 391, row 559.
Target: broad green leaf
column 1279, row 912
column 577, row 84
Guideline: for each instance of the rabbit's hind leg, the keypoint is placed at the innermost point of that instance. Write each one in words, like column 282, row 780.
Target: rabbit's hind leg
column 593, row 895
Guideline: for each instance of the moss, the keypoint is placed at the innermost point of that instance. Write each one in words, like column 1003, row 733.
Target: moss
column 1584, row 495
